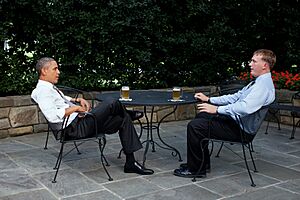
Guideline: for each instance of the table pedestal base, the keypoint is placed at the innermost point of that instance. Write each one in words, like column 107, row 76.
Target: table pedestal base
column 150, row 127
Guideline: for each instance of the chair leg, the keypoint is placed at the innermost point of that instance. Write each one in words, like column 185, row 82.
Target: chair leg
column 220, row 150
column 120, row 153
column 266, row 132
column 252, row 159
column 212, row 148
column 251, row 147
column 101, row 148
column 58, row 162
column 247, row 166
column 294, row 128
column 278, row 123
column 78, row 152
column 46, row 143
column 59, row 156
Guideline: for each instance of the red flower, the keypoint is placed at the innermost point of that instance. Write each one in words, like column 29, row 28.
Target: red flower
column 281, row 80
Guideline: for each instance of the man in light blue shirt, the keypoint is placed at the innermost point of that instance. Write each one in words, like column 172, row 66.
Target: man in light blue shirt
column 217, row 115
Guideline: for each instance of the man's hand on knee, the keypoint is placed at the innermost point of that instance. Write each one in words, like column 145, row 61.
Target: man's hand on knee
column 205, row 107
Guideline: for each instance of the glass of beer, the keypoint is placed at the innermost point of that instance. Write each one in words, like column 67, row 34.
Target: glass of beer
column 124, row 92
column 177, row 93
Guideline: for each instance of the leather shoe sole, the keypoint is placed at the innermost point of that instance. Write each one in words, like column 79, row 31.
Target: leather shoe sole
column 184, row 166
column 138, row 169
column 185, row 173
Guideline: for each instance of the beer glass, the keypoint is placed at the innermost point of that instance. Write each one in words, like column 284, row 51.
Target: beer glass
column 124, row 93
column 177, row 93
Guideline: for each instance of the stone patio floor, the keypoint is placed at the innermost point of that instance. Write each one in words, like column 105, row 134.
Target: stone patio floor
column 26, row 170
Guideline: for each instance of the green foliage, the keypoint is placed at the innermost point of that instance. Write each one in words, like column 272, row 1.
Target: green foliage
column 101, row 45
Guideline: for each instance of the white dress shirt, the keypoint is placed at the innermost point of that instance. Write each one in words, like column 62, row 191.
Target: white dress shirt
column 51, row 103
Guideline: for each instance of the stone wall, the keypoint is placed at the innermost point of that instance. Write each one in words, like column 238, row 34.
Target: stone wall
column 19, row 115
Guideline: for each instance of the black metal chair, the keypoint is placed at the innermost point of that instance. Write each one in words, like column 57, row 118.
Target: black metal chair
column 72, row 92
column 295, row 114
column 294, row 109
column 273, row 112
column 244, row 143
column 59, row 135
column 225, row 88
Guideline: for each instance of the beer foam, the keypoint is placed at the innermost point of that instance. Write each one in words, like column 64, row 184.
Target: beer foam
column 125, row 87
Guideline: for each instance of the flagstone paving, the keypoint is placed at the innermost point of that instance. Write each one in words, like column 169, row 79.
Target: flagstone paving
column 26, row 170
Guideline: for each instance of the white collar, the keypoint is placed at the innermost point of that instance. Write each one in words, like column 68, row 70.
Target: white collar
column 45, row 83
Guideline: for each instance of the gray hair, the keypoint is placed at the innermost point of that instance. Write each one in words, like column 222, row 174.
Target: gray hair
column 43, row 62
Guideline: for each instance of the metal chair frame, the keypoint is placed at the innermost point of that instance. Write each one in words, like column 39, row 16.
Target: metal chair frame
column 98, row 138
column 245, row 145
column 273, row 112
column 59, row 135
column 75, row 94
column 276, row 107
column 295, row 115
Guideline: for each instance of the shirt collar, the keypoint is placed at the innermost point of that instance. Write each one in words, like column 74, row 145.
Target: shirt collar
column 263, row 76
column 45, row 83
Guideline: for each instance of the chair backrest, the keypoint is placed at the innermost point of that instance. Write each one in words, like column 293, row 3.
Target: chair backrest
column 56, row 128
column 230, row 87
column 296, row 99
column 296, row 102
column 72, row 92
column 251, row 123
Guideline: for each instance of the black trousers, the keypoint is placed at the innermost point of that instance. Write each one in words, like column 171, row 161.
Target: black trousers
column 111, row 117
column 211, row 126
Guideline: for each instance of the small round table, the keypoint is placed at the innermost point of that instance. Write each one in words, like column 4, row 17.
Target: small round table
column 152, row 98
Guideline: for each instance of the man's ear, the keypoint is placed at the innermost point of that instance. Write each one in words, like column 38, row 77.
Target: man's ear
column 44, row 71
column 266, row 66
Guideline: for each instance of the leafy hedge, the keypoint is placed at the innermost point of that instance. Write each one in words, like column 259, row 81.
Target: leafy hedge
column 101, row 45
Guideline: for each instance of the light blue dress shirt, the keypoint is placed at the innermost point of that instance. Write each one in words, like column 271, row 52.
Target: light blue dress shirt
column 247, row 101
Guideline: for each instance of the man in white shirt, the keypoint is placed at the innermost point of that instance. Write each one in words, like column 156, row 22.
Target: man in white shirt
column 216, row 119
column 111, row 115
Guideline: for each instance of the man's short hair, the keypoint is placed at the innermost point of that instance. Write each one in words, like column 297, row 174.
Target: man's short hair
column 43, row 62
column 267, row 55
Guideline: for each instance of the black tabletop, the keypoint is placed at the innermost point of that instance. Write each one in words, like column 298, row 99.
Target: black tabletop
column 149, row 98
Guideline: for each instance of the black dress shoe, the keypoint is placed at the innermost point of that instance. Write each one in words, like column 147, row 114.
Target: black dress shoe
column 135, row 115
column 185, row 173
column 137, row 168
column 185, row 166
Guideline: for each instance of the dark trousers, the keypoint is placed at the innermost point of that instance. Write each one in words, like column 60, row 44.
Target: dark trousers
column 111, row 118
column 211, row 126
